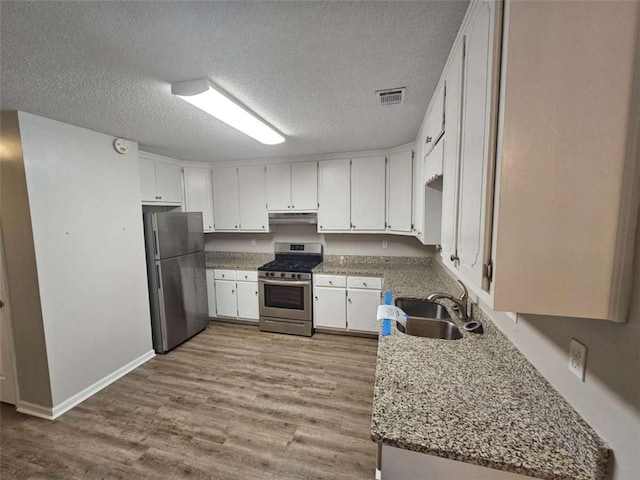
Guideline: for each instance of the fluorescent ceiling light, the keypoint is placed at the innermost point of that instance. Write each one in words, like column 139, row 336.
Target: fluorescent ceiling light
column 202, row 95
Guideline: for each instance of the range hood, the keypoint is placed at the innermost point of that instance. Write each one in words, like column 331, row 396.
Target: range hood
column 289, row 218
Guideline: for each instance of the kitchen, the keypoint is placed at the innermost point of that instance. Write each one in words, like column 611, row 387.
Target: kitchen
column 451, row 183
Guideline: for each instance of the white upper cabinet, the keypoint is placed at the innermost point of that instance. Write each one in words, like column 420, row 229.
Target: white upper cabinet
column 417, row 210
column 368, row 194
column 198, row 194
column 399, row 187
column 252, row 199
column 239, row 199
column 451, row 152
column 435, row 118
column 334, row 190
column 292, row 187
column 566, row 205
column 160, row 181
column 225, row 199
column 304, row 186
column 473, row 251
column 279, row 187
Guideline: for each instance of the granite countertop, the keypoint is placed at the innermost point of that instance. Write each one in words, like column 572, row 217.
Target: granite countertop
column 237, row 260
column 475, row 400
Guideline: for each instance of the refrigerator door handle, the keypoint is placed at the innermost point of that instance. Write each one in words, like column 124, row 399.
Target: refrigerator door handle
column 158, row 276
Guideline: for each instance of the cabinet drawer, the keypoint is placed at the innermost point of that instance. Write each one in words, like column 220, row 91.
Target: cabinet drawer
column 224, row 274
column 372, row 283
column 330, row 280
column 246, row 275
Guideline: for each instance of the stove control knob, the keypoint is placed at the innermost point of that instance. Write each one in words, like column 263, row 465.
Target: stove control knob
column 283, row 275
column 270, row 274
column 298, row 276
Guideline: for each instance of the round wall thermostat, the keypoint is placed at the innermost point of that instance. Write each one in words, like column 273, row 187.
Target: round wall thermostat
column 121, row 145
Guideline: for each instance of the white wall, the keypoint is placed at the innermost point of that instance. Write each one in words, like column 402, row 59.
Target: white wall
column 87, row 231
column 334, row 244
column 609, row 398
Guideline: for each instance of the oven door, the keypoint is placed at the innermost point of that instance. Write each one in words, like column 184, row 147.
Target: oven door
column 290, row 299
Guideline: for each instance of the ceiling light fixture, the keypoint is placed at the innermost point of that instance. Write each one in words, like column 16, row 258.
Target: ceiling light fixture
column 202, row 95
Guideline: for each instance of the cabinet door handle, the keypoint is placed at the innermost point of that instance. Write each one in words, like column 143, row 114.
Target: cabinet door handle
column 288, row 206
column 363, row 283
column 454, row 258
column 235, row 226
column 349, row 300
column 293, row 206
column 256, row 293
column 233, row 291
column 330, row 282
column 316, row 298
column 429, row 139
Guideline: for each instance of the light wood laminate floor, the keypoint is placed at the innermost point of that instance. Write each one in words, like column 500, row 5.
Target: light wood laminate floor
column 232, row 403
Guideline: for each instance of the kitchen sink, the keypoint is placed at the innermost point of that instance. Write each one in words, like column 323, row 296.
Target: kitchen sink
column 427, row 319
column 430, row 328
column 422, row 308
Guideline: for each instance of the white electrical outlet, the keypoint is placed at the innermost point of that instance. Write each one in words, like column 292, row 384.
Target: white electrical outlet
column 577, row 358
column 384, row 244
column 253, row 242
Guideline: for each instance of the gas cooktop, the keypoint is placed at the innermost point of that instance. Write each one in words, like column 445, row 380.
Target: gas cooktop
column 293, row 257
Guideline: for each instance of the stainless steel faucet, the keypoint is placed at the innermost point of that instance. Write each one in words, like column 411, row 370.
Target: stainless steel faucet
column 460, row 301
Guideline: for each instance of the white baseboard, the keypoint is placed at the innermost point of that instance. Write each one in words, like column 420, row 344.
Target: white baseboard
column 54, row 412
column 35, row 410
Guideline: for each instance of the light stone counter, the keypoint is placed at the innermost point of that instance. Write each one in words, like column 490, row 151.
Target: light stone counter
column 237, row 260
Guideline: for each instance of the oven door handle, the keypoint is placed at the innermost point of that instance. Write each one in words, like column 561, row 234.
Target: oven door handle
column 285, row 283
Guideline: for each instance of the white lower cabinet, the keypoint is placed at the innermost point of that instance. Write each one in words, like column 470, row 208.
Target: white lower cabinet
column 211, row 292
column 399, row 463
column 346, row 303
column 247, row 300
column 330, row 310
column 233, row 293
column 362, row 307
column 226, row 298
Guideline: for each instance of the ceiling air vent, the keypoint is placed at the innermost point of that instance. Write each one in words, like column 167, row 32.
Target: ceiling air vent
column 394, row 96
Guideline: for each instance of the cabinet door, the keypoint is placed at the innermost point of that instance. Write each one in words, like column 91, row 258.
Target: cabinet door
column 362, row 309
column 451, row 154
column 225, row 198
column 248, row 300
column 211, row 292
column 329, row 307
column 169, row 182
column 368, row 193
column 435, row 118
column 304, row 186
column 198, row 196
column 475, row 133
column 226, row 303
column 148, row 180
column 418, row 189
column 334, row 196
column 279, row 187
column 253, row 199
column 399, row 196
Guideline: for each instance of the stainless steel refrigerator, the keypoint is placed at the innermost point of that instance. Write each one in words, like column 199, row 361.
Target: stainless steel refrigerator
column 177, row 279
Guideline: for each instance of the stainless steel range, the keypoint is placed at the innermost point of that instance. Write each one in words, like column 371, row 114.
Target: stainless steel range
column 285, row 289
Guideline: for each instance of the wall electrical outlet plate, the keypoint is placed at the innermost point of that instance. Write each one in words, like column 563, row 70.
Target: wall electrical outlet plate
column 384, row 244
column 577, row 358
column 253, row 242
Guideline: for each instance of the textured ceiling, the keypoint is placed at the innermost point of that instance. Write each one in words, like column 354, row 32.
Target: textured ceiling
column 308, row 68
